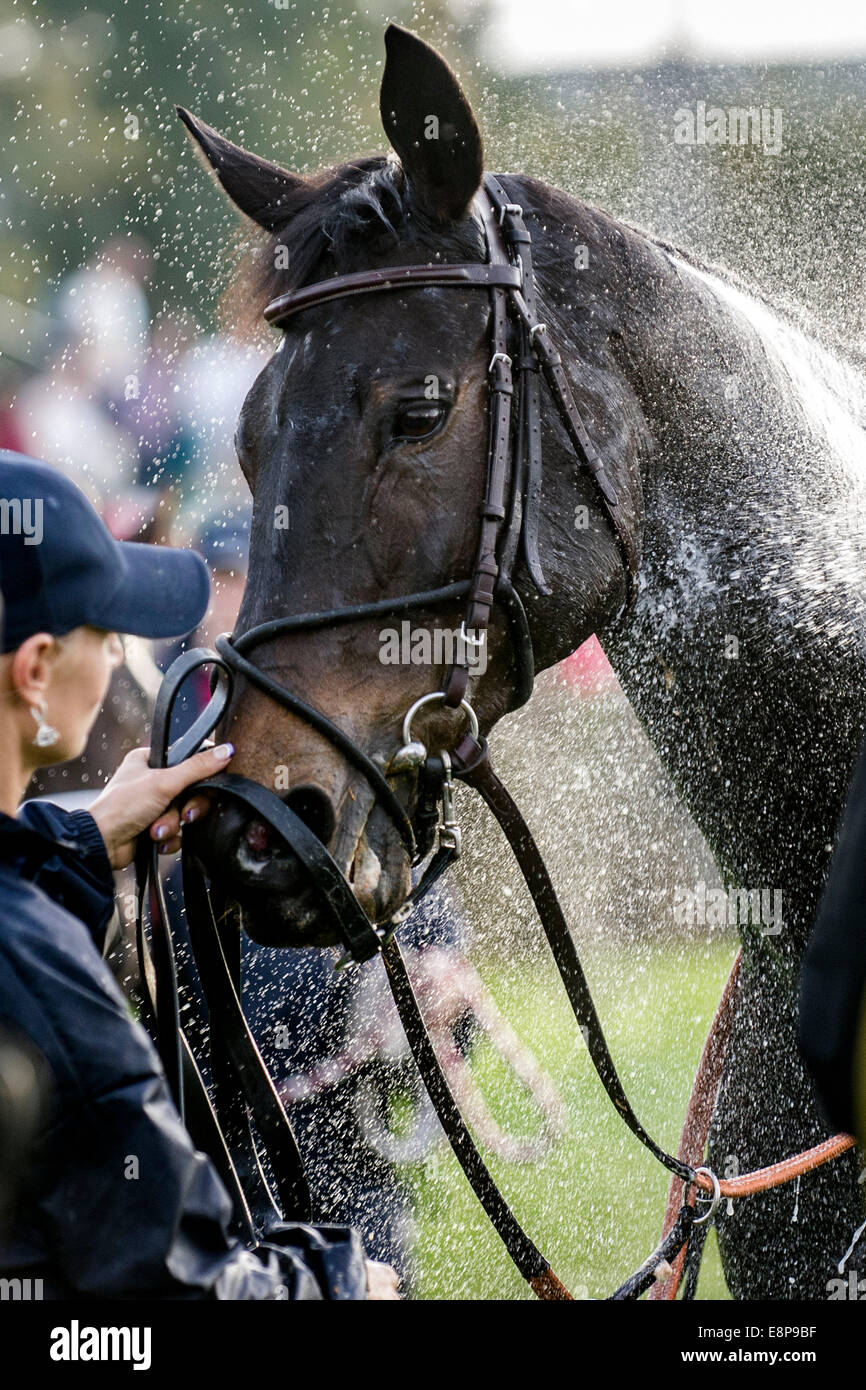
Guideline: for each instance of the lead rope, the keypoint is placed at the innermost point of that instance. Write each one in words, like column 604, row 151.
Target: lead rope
column 472, row 765
column 527, row 1258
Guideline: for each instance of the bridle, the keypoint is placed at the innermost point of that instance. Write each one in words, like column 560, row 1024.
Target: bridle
column 508, row 525
column 247, row 1116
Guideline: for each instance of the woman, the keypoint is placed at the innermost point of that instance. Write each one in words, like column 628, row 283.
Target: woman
column 117, row 1202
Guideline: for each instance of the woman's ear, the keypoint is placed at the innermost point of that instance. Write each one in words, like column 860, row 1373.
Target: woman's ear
column 32, row 663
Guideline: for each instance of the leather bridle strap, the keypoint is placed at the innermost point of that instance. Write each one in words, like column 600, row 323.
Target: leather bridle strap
column 221, row 988
column 526, row 1256
column 526, row 483
column 472, row 765
column 699, row 1114
column 469, row 276
column 320, row 722
column 695, row 1133
column 500, row 390
column 672, row 1247
column 244, row 1085
column 360, row 937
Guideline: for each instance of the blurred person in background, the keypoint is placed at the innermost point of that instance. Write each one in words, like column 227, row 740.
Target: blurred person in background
column 71, row 411
column 105, row 310
column 154, row 416
column 58, row 416
column 12, row 379
column 213, row 379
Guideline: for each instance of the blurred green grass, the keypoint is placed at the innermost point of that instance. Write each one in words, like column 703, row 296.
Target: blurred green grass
column 594, row 1205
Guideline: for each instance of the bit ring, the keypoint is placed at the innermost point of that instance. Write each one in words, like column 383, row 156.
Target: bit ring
column 426, row 700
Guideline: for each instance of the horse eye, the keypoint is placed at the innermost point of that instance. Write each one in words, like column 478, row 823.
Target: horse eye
column 418, row 420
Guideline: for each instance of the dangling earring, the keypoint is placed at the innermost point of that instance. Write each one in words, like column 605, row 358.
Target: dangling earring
column 46, row 734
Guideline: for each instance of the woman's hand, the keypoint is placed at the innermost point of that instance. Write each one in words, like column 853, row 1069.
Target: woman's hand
column 137, row 797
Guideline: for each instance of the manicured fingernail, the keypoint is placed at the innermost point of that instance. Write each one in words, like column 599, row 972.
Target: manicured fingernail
column 224, row 752
column 161, row 832
column 191, row 814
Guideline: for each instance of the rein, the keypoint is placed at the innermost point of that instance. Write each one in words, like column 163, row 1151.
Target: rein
column 244, row 1126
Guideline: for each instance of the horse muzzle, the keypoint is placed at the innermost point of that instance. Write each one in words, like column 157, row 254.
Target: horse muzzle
column 251, row 864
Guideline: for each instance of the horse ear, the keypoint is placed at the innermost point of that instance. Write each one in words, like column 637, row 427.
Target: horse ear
column 431, row 126
column 262, row 190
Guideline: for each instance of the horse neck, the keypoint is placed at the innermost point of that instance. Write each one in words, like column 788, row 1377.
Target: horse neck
column 744, row 656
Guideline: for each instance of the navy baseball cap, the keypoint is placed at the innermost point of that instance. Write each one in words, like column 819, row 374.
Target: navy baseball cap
column 60, row 567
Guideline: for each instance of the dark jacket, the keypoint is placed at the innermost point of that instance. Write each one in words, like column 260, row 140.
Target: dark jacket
column 833, row 982
column 117, row 1202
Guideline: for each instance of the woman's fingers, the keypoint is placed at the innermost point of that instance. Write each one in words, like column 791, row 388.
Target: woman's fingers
column 207, row 763
column 167, row 827
column 383, row 1285
column 194, row 808
column 138, row 796
column 167, row 830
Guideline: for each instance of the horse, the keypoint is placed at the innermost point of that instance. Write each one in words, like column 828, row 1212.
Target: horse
column 734, row 440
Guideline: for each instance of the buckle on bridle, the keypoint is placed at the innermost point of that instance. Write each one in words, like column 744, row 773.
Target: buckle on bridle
column 509, row 210
column 450, row 834
column 714, row 1200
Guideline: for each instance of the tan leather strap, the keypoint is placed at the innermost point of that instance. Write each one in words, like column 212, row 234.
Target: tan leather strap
column 762, row 1179
column 696, row 1128
column 696, row 1125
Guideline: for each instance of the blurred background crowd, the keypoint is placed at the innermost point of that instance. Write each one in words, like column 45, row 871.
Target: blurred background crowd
column 139, row 409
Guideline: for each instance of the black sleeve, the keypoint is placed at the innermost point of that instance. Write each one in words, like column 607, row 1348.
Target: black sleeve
column 133, row 1210
column 78, row 876
column 834, row 970
column 117, row 1198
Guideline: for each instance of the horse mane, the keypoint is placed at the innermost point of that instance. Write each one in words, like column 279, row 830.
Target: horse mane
column 786, row 307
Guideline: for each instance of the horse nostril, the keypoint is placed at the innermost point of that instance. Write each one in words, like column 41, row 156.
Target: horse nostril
column 314, row 808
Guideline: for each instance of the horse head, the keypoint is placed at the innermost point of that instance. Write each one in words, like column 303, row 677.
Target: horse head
column 365, row 442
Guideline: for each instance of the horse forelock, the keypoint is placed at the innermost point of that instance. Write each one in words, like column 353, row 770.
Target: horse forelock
column 340, row 219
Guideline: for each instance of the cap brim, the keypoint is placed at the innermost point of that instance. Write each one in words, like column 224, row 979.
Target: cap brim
column 164, row 592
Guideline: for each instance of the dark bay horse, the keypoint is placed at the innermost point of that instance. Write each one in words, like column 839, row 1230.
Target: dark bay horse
column 736, row 444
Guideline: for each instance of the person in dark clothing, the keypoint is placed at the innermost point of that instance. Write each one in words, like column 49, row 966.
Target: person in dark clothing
column 832, row 1027
column 117, row 1202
